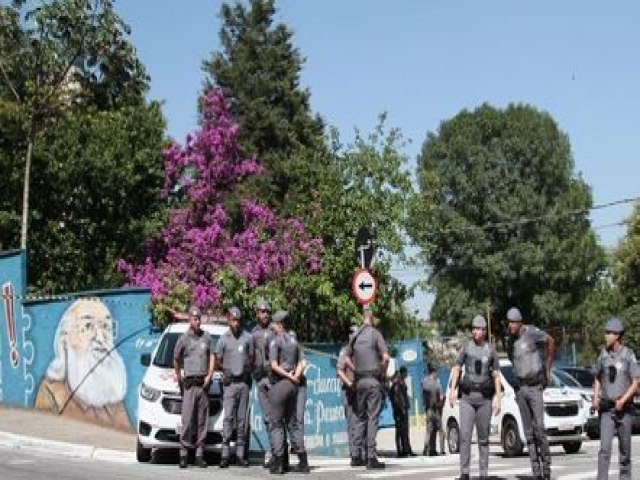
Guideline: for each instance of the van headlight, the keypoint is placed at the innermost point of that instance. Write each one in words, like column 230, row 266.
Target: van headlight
column 149, row 393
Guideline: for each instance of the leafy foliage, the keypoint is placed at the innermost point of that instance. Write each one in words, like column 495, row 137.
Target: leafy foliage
column 481, row 170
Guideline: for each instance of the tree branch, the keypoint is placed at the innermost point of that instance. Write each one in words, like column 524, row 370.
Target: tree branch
column 9, row 83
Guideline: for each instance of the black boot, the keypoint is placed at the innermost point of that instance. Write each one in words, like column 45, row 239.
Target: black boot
column 242, row 462
column 224, row 462
column 286, row 466
column 465, row 476
column 375, row 464
column 276, row 466
column 183, row 461
column 303, row 465
column 200, row 462
column 357, row 462
column 267, row 463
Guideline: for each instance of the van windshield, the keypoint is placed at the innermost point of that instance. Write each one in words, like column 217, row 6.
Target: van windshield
column 164, row 355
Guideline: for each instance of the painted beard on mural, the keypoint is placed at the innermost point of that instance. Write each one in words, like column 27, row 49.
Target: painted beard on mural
column 86, row 379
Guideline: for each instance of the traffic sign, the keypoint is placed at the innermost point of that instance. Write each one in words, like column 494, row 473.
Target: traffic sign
column 364, row 286
column 364, row 247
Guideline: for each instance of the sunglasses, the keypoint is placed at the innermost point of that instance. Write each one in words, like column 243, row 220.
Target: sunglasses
column 263, row 310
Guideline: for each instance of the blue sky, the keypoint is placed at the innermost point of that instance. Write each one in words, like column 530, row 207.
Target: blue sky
column 423, row 61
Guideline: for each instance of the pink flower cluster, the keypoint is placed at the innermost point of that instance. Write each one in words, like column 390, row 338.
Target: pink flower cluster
column 200, row 238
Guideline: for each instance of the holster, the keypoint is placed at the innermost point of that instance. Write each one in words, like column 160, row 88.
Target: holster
column 607, row 405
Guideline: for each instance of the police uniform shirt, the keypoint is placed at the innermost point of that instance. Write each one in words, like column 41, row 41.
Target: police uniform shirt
column 367, row 348
column 262, row 337
column 616, row 370
column 526, row 352
column 431, row 393
column 479, row 361
column 235, row 353
column 342, row 364
column 193, row 352
column 284, row 350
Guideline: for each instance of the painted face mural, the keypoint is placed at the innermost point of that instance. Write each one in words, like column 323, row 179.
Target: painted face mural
column 86, row 379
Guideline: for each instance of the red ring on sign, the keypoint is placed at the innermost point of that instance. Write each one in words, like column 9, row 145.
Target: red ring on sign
column 355, row 290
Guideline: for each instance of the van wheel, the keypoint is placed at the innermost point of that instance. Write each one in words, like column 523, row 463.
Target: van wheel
column 511, row 443
column 143, row 455
column 572, row 447
column 453, row 436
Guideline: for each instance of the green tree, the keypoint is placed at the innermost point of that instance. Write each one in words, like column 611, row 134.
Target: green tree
column 492, row 219
column 72, row 95
column 626, row 275
column 258, row 69
column 59, row 54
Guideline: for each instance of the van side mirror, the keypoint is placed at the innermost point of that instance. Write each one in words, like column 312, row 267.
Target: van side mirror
column 145, row 359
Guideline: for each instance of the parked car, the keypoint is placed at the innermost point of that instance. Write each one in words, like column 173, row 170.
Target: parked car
column 564, row 417
column 592, row 427
column 159, row 400
column 586, row 377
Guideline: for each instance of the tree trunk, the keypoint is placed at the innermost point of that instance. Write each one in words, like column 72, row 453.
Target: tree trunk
column 25, row 193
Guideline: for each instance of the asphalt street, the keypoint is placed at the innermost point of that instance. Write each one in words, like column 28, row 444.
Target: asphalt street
column 18, row 464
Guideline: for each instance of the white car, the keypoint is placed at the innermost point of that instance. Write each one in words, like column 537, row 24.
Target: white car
column 159, row 401
column 564, row 417
column 569, row 382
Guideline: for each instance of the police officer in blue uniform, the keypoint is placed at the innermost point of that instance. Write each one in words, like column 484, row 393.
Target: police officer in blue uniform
column 480, row 385
column 531, row 351
column 234, row 356
column 617, row 375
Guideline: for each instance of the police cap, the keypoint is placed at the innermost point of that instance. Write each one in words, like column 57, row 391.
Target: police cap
column 235, row 313
column 614, row 325
column 194, row 311
column 280, row 315
column 262, row 304
column 478, row 322
column 514, row 315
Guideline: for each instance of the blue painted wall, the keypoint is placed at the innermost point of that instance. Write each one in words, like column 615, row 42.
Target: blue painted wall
column 40, row 325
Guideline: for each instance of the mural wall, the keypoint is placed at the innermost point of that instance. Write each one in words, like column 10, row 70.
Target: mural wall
column 78, row 355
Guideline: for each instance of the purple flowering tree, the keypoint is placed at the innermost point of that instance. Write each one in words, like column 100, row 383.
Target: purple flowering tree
column 214, row 251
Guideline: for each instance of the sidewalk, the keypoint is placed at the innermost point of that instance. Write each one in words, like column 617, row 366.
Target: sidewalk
column 22, row 428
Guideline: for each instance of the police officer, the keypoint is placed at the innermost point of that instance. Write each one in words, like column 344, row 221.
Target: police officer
column 262, row 337
column 234, row 356
column 301, row 398
column 432, row 400
column 400, row 404
column 193, row 352
column 346, row 373
column 617, row 375
column 531, row 351
column 370, row 357
column 287, row 366
column 480, row 383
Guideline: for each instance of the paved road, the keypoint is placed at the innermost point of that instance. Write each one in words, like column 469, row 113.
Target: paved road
column 18, row 464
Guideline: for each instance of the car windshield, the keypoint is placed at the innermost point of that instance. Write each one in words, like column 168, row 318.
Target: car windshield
column 566, row 379
column 583, row 375
column 164, row 355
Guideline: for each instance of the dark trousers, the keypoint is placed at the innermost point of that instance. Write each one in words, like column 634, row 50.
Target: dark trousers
column 403, row 444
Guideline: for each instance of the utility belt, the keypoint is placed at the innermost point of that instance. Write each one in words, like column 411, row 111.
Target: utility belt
column 486, row 388
column 261, row 372
column 193, row 381
column 607, row 405
column 229, row 379
column 532, row 381
column 275, row 378
column 369, row 374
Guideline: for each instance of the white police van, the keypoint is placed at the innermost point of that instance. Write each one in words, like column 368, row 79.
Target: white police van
column 159, row 401
column 565, row 416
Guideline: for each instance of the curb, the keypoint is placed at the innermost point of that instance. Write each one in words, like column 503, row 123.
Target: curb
column 22, row 442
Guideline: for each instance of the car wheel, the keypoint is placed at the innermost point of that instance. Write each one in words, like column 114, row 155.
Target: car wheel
column 143, row 455
column 453, row 436
column 511, row 443
column 572, row 447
